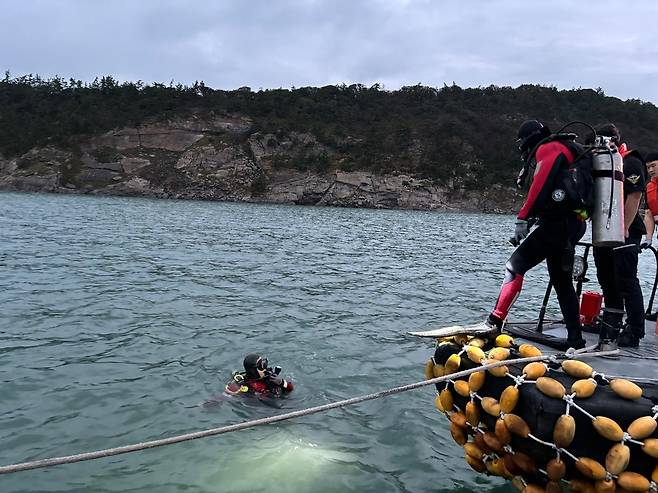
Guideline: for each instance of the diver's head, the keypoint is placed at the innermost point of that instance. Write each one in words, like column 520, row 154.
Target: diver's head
column 608, row 130
column 531, row 133
column 255, row 365
column 652, row 164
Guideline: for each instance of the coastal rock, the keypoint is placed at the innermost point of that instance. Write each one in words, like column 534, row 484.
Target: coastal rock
column 30, row 183
column 291, row 146
column 296, row 188
column 152, row 136
column 134, row 187
column 130, row 165
column 222, row 158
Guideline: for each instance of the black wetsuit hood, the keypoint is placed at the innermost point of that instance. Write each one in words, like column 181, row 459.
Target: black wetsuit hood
column 249, row 363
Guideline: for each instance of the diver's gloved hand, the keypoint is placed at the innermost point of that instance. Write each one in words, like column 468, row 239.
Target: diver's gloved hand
column 520, row 232
column 646, row 243
column 276, row 380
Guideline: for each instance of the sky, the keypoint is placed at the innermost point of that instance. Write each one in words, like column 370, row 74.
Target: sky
column 284, row 43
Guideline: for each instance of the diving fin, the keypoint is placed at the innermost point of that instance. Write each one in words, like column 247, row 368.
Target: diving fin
column 480, row 329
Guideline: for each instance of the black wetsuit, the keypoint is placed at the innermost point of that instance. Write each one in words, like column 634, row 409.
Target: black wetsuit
column 616, row 268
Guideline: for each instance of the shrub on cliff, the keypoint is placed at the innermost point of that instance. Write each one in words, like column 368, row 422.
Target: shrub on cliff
column 425, row 131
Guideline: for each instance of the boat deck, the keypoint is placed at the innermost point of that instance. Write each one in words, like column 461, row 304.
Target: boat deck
column 638, row 364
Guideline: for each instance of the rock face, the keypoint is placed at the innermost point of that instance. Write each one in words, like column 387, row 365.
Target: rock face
column 226, row 158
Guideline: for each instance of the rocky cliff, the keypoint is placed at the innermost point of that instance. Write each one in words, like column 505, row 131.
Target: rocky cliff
column 227, row 158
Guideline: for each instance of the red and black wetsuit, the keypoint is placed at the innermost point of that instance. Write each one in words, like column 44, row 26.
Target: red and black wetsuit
column 553, row 240
column 272, row 385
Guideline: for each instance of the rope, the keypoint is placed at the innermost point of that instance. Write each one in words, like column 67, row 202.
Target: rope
column 68, row 459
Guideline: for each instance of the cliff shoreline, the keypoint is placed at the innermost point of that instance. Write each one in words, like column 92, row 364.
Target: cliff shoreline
column 227, row 159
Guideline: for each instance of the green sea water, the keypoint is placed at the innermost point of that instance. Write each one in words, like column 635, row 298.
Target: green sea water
column 120, row 317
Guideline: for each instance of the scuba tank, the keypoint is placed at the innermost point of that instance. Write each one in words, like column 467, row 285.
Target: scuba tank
column 608, row 210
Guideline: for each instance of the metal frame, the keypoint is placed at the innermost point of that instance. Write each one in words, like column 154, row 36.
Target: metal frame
column 579, row 286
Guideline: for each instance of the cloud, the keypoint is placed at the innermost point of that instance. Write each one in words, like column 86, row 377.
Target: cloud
column 287, row 43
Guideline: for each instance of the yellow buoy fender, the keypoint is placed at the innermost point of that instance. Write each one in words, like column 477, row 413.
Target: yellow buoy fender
column 650, row 447
column 633, row 481
column 476, row 380
column 605, row 486
column 504, row 341
column 528, row 351
column 429, row 369
column 583, row 388
column 499, row 371
column 452, row 364
column 459, row 419
column 577, row 369
column 642, row 427
column 617, row 458
column 476, row 464
column 502, row 432
column 550, row 387
column 499, row 353
column 516, row 425
column 492, row 441
column 608, row 428
column 556, row 469
column 439, row 371
column 581, row 486
column 626, row 389
column 524, row 462
column 461, row 387
column 477, row 342
column 590, row 468
column 564, row 431
column 534, row 370
column 458, row 434
column 473, row 450
column 472, row 414
column 446, row 400
column 475, row 354
column 553, row 487
column 490, row 406
column 508, row 399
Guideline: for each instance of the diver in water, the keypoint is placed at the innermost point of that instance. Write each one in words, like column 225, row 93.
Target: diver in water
column 258, row 379
column 554, row 239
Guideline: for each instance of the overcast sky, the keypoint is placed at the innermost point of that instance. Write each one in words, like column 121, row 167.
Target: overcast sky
column 285, row 43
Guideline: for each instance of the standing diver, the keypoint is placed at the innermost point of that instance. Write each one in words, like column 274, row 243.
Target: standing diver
column 554, row 240
column 258, row 379
column 651, row 212
column 616, row 268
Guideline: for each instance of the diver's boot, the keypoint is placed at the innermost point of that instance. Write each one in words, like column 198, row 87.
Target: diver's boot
column 490, row 327
column 575, row 338
column 610, row 325
column 629, row 337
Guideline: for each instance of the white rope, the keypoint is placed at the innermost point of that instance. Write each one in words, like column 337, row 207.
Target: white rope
column 68, row 459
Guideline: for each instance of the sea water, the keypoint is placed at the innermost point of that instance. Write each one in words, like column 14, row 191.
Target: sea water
column 121, row 317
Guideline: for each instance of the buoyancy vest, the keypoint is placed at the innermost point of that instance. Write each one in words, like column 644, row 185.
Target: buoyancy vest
column 241, row 384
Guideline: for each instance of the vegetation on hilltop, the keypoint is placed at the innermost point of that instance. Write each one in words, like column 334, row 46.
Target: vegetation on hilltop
column 441, row 133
